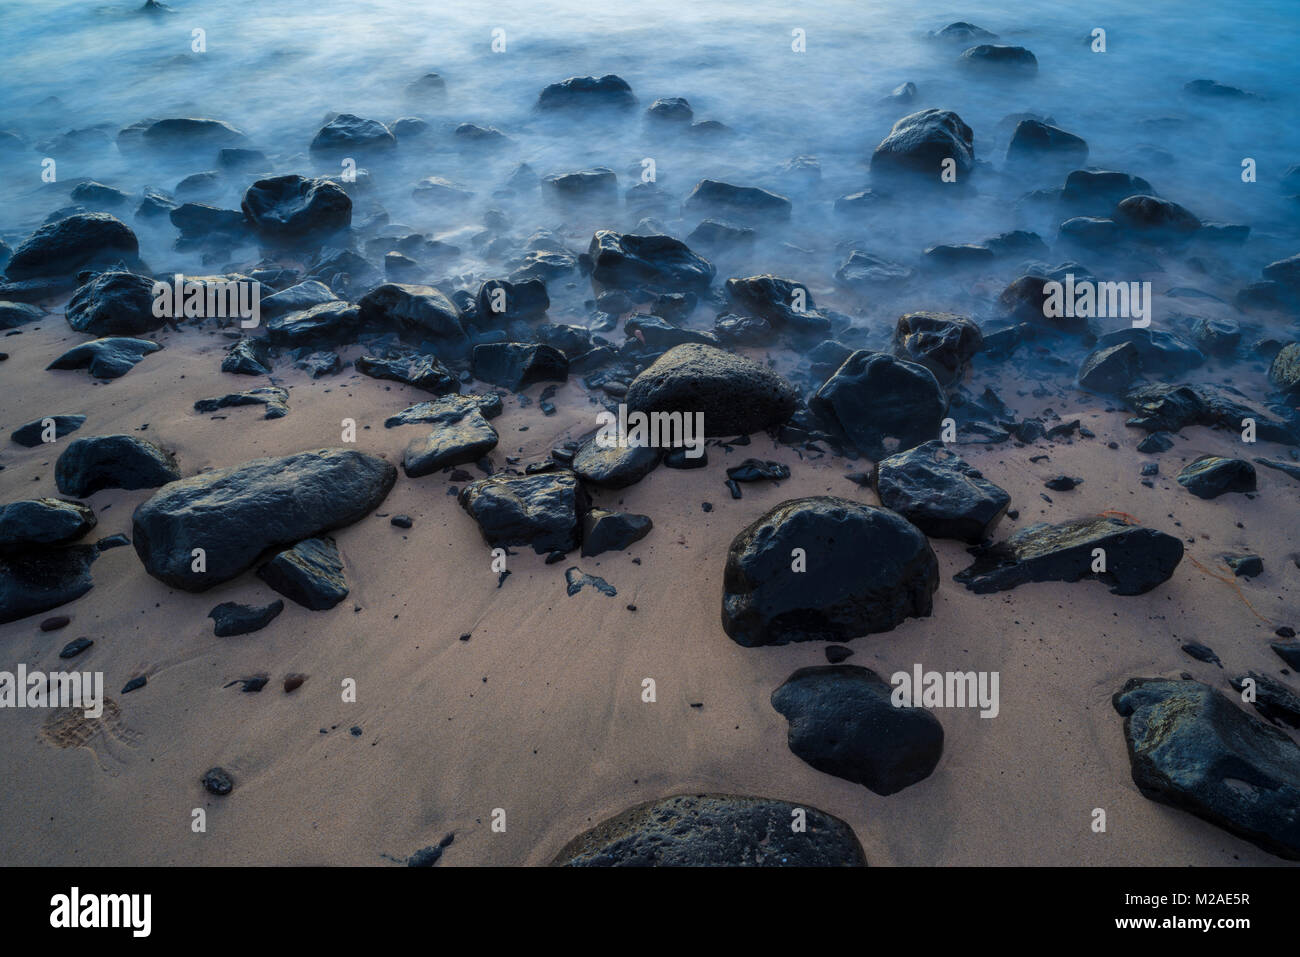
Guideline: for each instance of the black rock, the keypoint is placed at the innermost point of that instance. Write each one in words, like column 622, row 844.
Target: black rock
column 1211, row 476
column 1202, row 653
column 196, row 220
column 1245, row 566
column 43, row 578
column 114, row 304
column 43, row 521
column 217, row 781
column 456, row 441
column 516, row 365
column 838, row 653
column 1101, row 189
column 864, row 269
column 843, row 722
column 449, row 408
column 614, row 467
column 605, row 531
column 704, row 830
column 420, row 310
column 1063, row 483
column 1156, row 442
column 310, row 573
column 1193, row 749
column 920, row 142
column 291, row 207
column 629, row 261
column 1136, row 559
column 867, row 570
column 421, row 371
column 500, row 302
column 1037, row 141
column 336, row 321
column 1288, row 651
column 543, row 510
column 999, row 56
column 1165, row 408
column 673, row 109
column 1111, row 369
column 106, row 358
column 744, row 202
column 349, row 132
column 61, row 248
column 878, row 401
column 963, row 32
column 575, row 579
column 718, row 234
column 599, row 184
column 273, row 398
column 942, row 342
column 15, row 314
column 736, row 395
column 1154, row 218
column 75, row 647
column 31, row 435
column 236, row 514
column 1218, row 90
column 782, row 302
column 113, row 461
column 296, row 298
column 1284, row 371
column 1275, row 702
column 248, row 357
column 940, row 493
column 585, row 92
column 231, row 618
column 1093, row 232
column 756, row 470
column 400, row 521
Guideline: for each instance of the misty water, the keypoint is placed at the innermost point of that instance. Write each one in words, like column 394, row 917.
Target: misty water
column 277, row 70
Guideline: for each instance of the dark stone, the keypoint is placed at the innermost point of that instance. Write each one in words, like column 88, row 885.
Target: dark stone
column 448, row 408
column 875, row 399
column 1156, row 442
column 420, row 310
column 736, row 395
column 421, row 371
column 1036, row 141
column 15, row 314
column 457, row 441
column 868, row 570
column 106, row 358
column 1202, row 653
column 1288, row 651
column 113, row 461
column 614, row 467
column 196, row 220
column 1101, row 189
column 586, row 92
column 1276, row 703
column 217, row 781
column 114, row 304
column 248, row 357
column 628, row 261
column 864, row 269
column 543, row 510
column 673, row 109
column 291, row 207
column 273, row 398
column 236, row 514
column 296, row 298
column 1091, row 231
column 1110, row 370
column 1218, row 336
column 519, row 300
column 679, row 459
column 75, row 647
column 744, row 202
column 940, row 493
column 942, row 342
column 43, row 578
column 1153, row 217
column 1245, row 566
column 963, row 32
column 516, row 365
column 1193, row 749
column 659, row 333
column 1211, row 476
column 1063, row 483
column 597, row 184
column 1000, row 56
column 231, row 618
column 43, row 521
column 336, row 321
column 1165, row 408
column 1217, row 90
column 605, row 531
column 310, row 573
column 575, row 578
column 348, row 132
column 843, row 722
column 29, row 435
column 718, row 234
column 782, row 302
column 920, row 142
column 318, row 363
column 714, row 831
column 838, row 653
column 63, row 247
column 1284, row 371
column 756, row 470
column 1137, row 559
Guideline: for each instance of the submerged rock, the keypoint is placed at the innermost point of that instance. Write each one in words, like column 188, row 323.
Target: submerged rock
column 843, row 722
column 705, row 830
column 940, row 493
column 920, row 142
column 310, row 573
column 587, row 91
column 349, row 132
column 106, row 358
column 626, row 261
column 867, row 570
column 113, row 461
column 291, row 207
column 1000, row 56
column 543, row 511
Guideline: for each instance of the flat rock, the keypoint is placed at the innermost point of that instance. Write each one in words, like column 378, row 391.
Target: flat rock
column 310, row 573
column 448, row 408
column 543, row 511
column 454, row 442
column 421, row 371
column 615, row 467
column 231, row 618
column 940, row 493
column 1212, row 475
column 108, row 358
column 31, row 435
column 275, row 399
column 113, row 461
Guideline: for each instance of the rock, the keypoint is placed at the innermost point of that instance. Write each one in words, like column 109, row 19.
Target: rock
column 614, row 468
column 1063, row 483
column 454, row 442
column 1155, row 218
column 217, row 781
column 940, row 493
column 296, row 298
column 113, row 461
column 43, row 578
column 233, row 157
column 964, row 33
column 449, row 408
column 757, row 470
column 187, row 132
column 429, row 85
column 902, row 95
column 248, row 357
column 500, row 302
column 348, row 132
column 15, row 314
column 97, row 195
column 61, row 248
column 291, row 207
column 33, row 433
column 419, row 310
column 1284, row 271
column 114, row 304
column 587, row 92
column 672, row 109
column 1287, row 651
column 942, row 342
column 628, row 261
column 196, row 220
column 1193, row 749
column 599, row 184
column 275, row 399
column 421, row 371
column 575, row 579
column 236, row 514
column 744, row 330
column 1035, row 141
column 719, row 234
column 866, row 269
column 605, row 531
column 1202, row 653
column 106, row 358
column 1159, row 353
column 1090, row 231
column 1136, row 559
column 736, row 395
column 75, row 647
column 843, row 722
column 920, row 142
column 1165, row 408
column 1217, row 336
column 1110, row 370
column 43, row 521
column 782, row 302
column 1284, row 371
column 868, row 570
column 336, row 321
column 1102, row 188
column 658, row 333
column 999, row 56
column 471, row 134
column 310, row 573
column 516, row 365
column 1275, row 702
column 878, row 401
column 231, row 618
column 714, row 831
column 1156, row 442
column 745, row 202
column 1218, row 90
column 1211, row 476
column 543, row 510
column 954, row 256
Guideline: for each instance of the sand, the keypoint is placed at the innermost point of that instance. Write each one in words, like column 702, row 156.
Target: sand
column 539, row 713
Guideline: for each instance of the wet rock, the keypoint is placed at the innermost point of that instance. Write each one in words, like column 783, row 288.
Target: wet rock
column 963, row 32
column 449, row 408
column 236, row 514
column 500, row 302
column 417, row 309
column 720, row 234
column 543, row 510
column 866, row 269
column 183, row 132
column 1154, row 218
column 614, row 467
column 15, row 314
column 1037, row 141
column 43, row 521
column 106, row 358
column 940, row 493
column 296, row 298
column 75, row 647
column 33, row 433
column 1193, row 749
column 1217, row 90
column 743, row 202
column 113, row 461
column 599, row 183
column 736, row 395
column 672, row 109
column 605, row 531
column 291, row 207
column 628, row 261
column 231, row 618
column 349, row 132
column 714, row 831
column 516, row 365
column 457, row 441
column 1217, row 336
column 217, row 781
column 1275, row 702
column 1090, row 231
column 1165, row 408
column 1136, row 559
column 782, row 302
column 953, row 256
column 757, row 470
column 878, row 401
column 1211, row 476
column 63, row 247
column 248, row 357
column 586, row 92
column 658, row 333
column 1101, row 189
column 1202, row 653
column 843, row 722
column 575, row 578
column 421, row 371
column 1001, row 57
column 1284, row 371
column 43, row 578
column 310, row 573
column 942, row 342
column 868, row 570
column 1156, row 442
column 920, row 142
column 114, row 304
column 275, row 399
column 1245, row 566
column 330, row 322
column 1110, row 370
column 1287, row 651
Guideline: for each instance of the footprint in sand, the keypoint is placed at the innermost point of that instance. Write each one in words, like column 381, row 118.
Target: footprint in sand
column 104, row 736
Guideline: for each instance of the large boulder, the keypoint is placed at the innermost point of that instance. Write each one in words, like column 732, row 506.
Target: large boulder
column 63, row 247
column 626, row 260
column 715, row 830
column 236, row 514
column 113, row 461
column 416, row 309
column 1193, row 749
column 784, row 303
column 859, row 570
column 736, row 395
column 882, row 404
column 940, row 493
column 114, row 304
column 543, row 511
column 290, row 207
column 942, row 342
column 920, row 142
